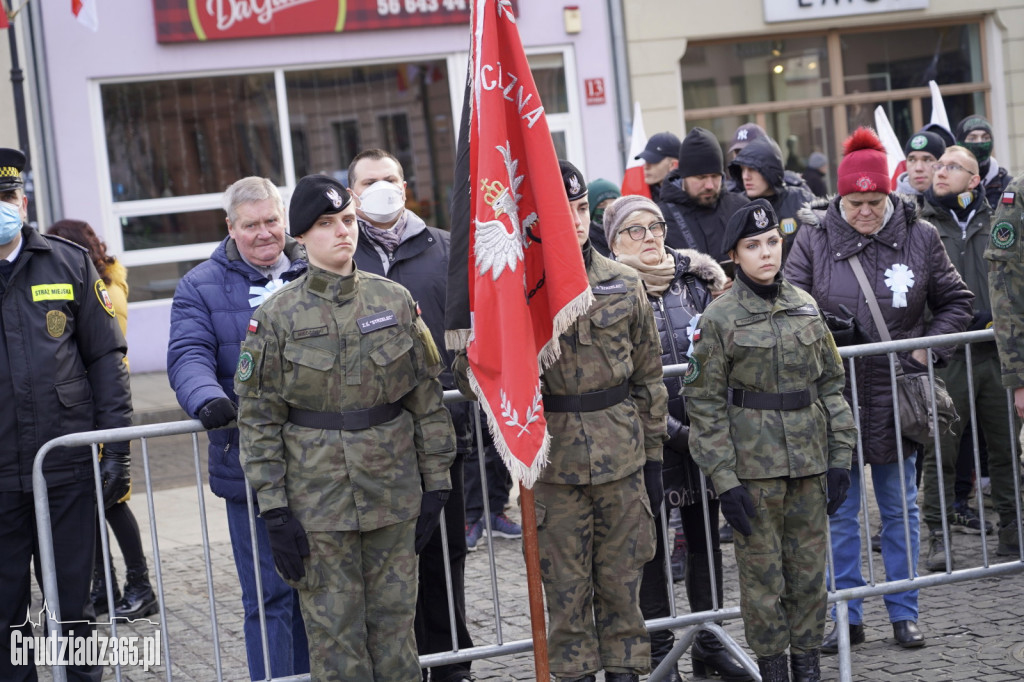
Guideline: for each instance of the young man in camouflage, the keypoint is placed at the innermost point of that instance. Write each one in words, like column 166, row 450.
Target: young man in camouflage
column 337, row 386
column 606, row 406
column 1005, row 254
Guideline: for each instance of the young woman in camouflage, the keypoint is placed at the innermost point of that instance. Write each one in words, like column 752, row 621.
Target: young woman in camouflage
column 770, row 427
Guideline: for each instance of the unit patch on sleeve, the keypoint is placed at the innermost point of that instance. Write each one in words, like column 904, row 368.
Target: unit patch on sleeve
column 692, row 371
column 1004, row 235
column 246, row 365
column 103, row 297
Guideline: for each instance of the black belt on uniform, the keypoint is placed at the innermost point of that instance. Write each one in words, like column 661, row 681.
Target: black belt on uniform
column 792, row 400
column 353, row 420
column 587, row 402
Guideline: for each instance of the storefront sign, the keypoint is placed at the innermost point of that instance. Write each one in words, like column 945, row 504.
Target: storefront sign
column 595, row 90
column 180, row 21
column 800, row 10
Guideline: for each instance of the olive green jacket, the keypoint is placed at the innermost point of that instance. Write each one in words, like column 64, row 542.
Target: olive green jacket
column 335, row 344
column 1005, row 255
column 749, row 343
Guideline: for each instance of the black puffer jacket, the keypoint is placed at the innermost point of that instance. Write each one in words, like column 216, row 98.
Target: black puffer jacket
column 764, row 156
column 692, row 226
column 819, row 263
column 675, row 310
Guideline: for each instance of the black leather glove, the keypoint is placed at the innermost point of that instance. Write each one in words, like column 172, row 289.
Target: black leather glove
column 738, row 509
column 838, row 481
column 653, row 483
column 678, row 436
column 287, row 542
column 982, row 320
column 217, row 413
column 430, row 515
column 115, row 472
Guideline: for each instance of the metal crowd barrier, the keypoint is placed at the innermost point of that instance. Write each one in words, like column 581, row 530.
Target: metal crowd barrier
column 497, row 643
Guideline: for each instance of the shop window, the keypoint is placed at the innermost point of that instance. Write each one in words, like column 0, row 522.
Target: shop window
column 174, row 229
column 346, row 142
column 191, row 136
column 909, row 58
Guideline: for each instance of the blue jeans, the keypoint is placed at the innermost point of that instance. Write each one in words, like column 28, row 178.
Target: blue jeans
column 846, row 537
column 286, row 633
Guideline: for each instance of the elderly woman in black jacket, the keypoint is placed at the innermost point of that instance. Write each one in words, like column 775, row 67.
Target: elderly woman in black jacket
column 909, row 273
column 679, row 285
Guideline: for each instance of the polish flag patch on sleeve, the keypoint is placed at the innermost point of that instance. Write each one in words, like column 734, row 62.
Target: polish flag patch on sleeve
column 1008, row 197
column 253, row 326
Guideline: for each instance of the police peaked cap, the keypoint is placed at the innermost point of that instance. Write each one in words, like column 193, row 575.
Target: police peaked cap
column 575, row 185
column 751, row 220
column 314, row 196
column 12, row 163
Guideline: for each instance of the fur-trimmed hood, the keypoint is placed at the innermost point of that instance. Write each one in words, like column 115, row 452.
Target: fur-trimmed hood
column 700, row 265
column 812, row 214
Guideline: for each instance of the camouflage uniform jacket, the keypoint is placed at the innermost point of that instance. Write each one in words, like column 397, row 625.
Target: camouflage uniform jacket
column 750, row 343
column 334, row 344
column 1005, row 255
column 617, row 341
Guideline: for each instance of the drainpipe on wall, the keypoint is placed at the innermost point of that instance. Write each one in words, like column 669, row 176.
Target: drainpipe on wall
column 623, row 97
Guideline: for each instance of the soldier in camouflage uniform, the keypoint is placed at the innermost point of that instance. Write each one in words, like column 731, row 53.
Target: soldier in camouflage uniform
column 770, row 427
column 337, row 386
column 606, row 406
column 1005, row 254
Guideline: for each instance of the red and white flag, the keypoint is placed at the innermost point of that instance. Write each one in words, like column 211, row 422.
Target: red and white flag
column 633, row 181
column 893, row 150
column 85, row 12
column 525, row 282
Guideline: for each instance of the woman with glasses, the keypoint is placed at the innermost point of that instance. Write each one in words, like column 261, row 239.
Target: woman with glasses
column 679, row 285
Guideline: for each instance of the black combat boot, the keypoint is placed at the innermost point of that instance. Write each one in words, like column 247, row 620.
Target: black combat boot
column 774, row 668
column 710, row 657
column 662, row 642
column 621, row 677
column 99, row 590
column 139, row 600
column 806, row 666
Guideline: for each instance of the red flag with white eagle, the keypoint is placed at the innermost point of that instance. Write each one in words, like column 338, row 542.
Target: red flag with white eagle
column 526, row 279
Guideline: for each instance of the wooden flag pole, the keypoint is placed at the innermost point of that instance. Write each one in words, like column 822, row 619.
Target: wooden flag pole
column 532, row 555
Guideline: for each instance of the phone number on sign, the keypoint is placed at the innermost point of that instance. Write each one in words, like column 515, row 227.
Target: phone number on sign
column 388, row 7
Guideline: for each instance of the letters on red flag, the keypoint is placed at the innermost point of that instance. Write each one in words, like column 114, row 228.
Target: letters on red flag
column 527, row 282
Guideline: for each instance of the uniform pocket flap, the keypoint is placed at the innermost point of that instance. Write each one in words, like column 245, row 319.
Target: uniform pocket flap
column 74, row 392
column 308, row 356
column 392, row 349
column 810, row 333
column 607, row 315
column 750, row 338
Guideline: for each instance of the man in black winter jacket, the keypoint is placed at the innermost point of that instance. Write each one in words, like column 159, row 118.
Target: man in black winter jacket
column 61, row 372
column 395, row 243
column 692, row 199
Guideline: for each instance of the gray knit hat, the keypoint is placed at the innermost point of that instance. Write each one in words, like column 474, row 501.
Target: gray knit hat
column 623, row 207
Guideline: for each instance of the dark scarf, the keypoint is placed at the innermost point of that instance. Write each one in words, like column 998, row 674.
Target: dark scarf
column 951, row 203
column 768, row 292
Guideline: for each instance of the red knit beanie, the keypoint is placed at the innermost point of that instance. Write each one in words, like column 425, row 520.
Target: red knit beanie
column 865, row 167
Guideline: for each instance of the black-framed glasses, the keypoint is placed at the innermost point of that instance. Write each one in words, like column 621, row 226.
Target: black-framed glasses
column 951, row 167
column 638, row 232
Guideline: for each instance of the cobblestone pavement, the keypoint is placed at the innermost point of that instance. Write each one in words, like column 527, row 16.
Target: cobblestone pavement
column 974, row 630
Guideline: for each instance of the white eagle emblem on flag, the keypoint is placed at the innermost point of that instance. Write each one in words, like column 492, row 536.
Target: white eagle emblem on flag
column 495, row 247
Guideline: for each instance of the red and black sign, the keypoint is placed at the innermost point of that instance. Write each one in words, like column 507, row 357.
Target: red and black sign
column 179, row 21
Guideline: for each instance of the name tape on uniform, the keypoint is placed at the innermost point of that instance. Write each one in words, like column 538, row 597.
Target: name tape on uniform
column 53, row 292
column 376, row 321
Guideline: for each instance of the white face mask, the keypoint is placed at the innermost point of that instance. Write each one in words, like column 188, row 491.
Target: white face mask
column 10, row 222
column 382, row 201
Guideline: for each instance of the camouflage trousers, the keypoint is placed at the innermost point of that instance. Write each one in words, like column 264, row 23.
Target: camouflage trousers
column 358, row 600
column 782, row 565
column 594, row 541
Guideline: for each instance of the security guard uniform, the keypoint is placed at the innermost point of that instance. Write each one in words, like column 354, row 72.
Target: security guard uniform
column 61, row 371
